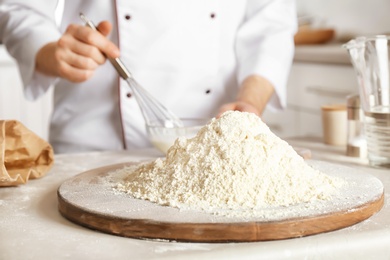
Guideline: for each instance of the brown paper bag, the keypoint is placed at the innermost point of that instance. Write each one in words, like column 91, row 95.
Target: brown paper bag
column 23, row 154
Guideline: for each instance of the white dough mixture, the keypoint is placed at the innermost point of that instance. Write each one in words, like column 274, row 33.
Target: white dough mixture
column 234, row 163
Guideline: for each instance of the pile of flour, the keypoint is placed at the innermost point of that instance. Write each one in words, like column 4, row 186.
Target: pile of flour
column 233, row 163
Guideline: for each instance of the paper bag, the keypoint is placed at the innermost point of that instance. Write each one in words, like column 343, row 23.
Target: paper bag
column 23, row 154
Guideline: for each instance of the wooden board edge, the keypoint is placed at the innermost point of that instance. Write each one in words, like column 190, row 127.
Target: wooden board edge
column 218, row 232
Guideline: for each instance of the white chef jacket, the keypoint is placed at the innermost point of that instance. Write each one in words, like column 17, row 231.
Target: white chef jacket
column 191, row 55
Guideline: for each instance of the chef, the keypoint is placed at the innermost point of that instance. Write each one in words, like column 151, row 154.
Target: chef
column 198, row 58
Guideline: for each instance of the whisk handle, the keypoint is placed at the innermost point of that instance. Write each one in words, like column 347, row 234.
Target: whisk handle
column 120, row 68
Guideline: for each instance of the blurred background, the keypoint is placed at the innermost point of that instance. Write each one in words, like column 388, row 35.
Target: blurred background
column 321, row 73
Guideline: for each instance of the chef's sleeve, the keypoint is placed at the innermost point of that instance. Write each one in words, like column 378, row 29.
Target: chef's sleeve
column 25, row 27
column 265, row 44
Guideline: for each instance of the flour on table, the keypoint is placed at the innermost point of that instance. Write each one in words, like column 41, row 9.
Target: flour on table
column 233, row 164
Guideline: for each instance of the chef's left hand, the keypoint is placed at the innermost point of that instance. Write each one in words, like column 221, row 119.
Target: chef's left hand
column 239, row 106
column 253, row 96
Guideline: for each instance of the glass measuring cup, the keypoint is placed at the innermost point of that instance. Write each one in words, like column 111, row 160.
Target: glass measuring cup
column 370, row 57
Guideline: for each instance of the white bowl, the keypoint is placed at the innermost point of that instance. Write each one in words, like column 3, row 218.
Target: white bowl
column 164, row 137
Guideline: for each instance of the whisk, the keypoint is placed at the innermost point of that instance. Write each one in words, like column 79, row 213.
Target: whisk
column 152, row 110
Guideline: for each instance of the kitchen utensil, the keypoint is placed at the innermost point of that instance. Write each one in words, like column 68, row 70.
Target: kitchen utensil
column 89, row 199
column 152, row 110
column 370, row 57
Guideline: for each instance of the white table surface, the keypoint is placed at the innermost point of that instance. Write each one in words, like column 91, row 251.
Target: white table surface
column 32, row 228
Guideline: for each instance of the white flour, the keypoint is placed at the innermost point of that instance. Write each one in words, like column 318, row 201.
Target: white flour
column 235, row 163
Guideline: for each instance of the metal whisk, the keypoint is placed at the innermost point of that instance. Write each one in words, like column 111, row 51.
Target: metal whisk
column 152, row 110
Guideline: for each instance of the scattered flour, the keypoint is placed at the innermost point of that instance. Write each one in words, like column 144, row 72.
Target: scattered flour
column 234, row 163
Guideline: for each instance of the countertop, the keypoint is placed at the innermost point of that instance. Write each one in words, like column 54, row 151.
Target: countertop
column 330, row 53
column 32, row 228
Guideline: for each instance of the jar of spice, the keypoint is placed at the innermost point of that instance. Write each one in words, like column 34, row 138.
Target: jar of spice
column 356, row 141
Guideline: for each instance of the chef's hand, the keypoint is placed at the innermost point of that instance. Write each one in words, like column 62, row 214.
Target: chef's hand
column 77, row 53
column 253, row 96
column 239, row 106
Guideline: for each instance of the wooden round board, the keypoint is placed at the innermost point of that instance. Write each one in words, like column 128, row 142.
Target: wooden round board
column 90, row 200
